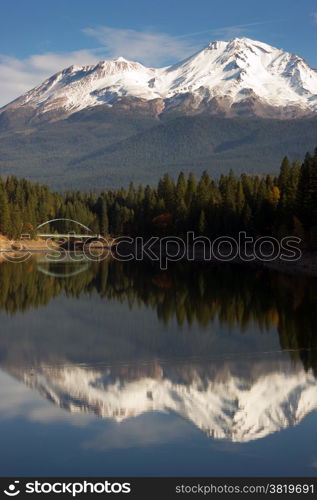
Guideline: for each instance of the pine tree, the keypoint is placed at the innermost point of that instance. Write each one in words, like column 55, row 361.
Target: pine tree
column 285, row 174
column 181, row 217
column 131, row 195
column 16, row 223
column 4, row 213
column 166, row 190
column 180, row 191
column 103, row 217
column 313, row 189
column 190, row 189
column 303, row 198
column 202, row 224
column 240, row 198
column 203, row 192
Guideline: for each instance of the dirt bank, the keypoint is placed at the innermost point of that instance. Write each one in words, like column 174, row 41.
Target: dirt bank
column 11, row 245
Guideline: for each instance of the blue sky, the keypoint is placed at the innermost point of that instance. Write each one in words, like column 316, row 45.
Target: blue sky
column 38, row 38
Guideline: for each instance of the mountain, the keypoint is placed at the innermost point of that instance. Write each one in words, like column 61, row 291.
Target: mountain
column 240, row 104
column 228, row 405
column 239, row 77
column 103, row 147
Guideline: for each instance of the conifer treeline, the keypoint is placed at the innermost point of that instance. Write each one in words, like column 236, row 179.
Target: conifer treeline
column 271, row 205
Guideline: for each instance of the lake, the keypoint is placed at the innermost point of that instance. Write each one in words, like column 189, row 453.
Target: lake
column 120, row 369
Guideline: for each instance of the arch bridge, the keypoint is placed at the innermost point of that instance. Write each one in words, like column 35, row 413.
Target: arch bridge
column 85, row 234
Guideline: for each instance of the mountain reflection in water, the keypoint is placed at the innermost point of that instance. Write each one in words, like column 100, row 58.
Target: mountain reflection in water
column 231, row 349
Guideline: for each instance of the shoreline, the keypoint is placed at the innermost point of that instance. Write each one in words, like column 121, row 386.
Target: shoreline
column 305, row 265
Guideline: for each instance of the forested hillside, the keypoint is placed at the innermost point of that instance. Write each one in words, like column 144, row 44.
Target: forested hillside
column 106, row 148
column 262, row 205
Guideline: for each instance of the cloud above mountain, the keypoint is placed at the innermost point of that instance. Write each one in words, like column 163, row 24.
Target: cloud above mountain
column 20, row 75
column 150, row 48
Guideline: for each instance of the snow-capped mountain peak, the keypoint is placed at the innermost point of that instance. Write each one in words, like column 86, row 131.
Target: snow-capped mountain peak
column 238, row 77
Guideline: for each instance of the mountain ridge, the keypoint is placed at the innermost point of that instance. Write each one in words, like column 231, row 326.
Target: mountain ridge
column 240, row 77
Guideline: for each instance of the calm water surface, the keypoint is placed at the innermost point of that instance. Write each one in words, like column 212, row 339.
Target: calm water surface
column 112, row 369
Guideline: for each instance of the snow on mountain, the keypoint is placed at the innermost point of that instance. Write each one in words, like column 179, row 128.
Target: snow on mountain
column 241, row 76
column 232, row 407
column 78, row 87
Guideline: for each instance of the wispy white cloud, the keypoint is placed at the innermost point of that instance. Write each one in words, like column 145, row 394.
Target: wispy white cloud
column 150, row 48
column 19, row 75
column 156, row 49
column 314, row 16
column 225, row 32
column 17, row 400
column 144, row 430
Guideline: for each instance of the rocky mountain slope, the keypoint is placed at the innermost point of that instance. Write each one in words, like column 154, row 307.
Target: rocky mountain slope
column 239, row 77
